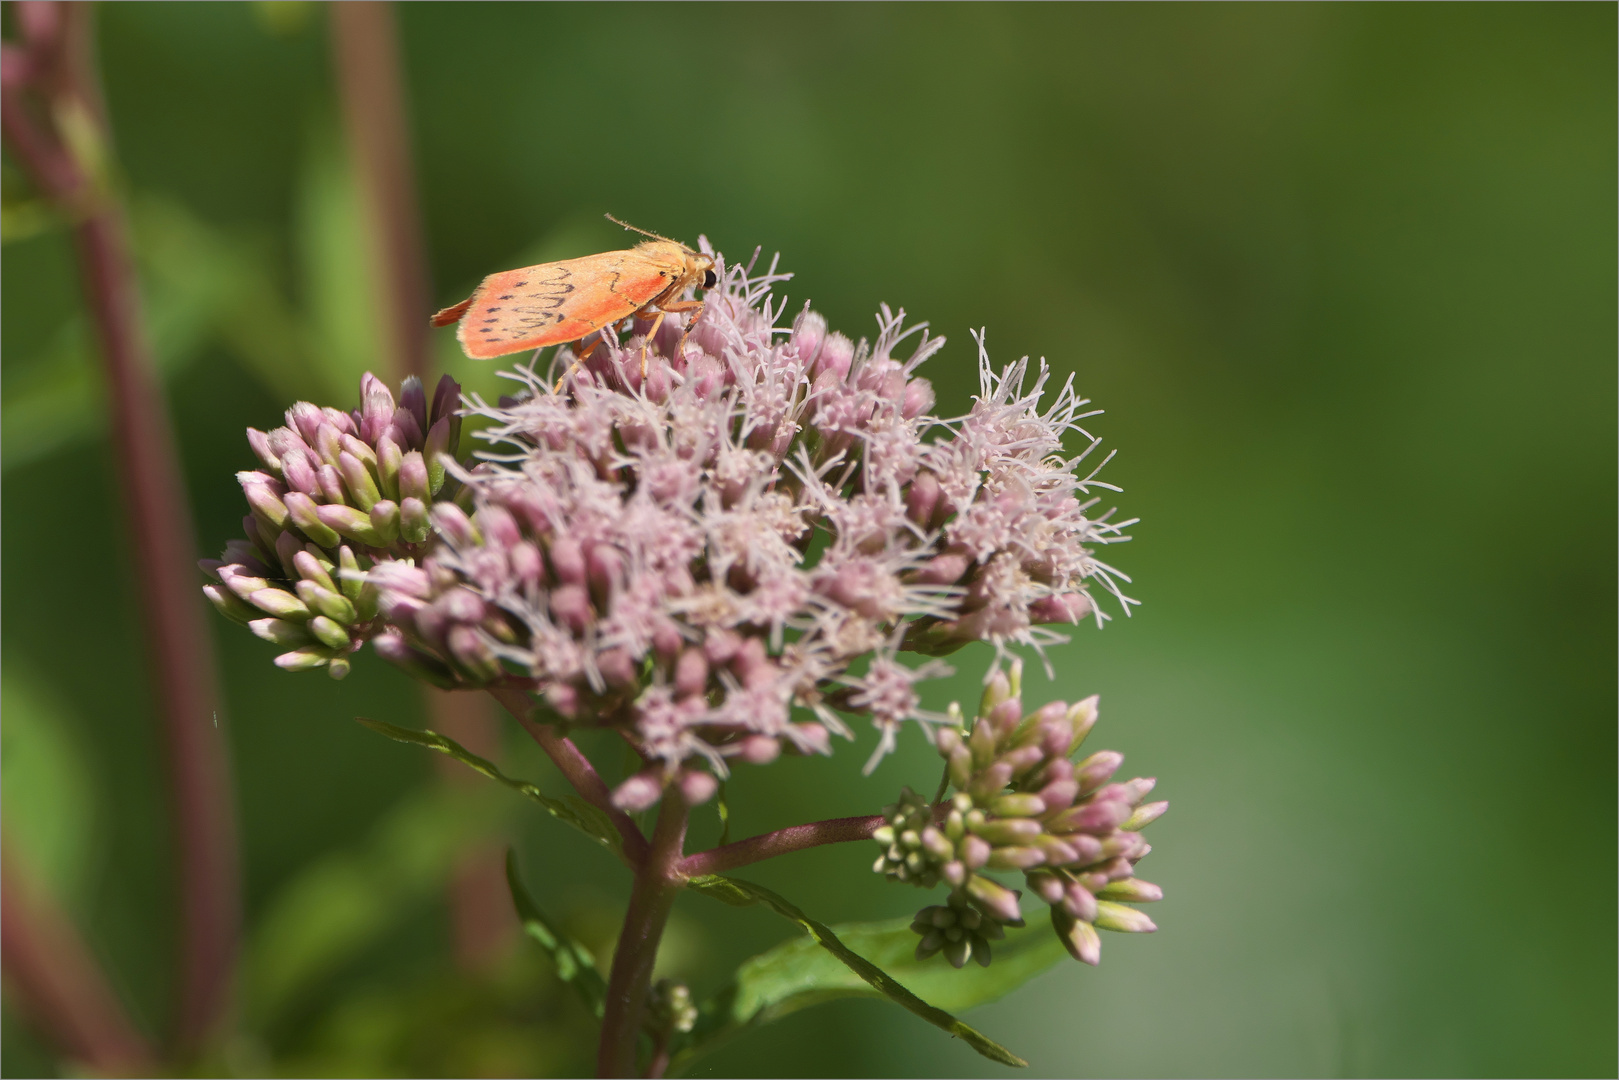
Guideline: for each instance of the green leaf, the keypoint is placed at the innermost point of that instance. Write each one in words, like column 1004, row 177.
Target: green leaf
column 570, row 809
column 574, row 962
column 824, row 967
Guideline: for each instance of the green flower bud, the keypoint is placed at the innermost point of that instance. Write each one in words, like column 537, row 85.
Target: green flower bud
column 1080, row 938
column 415, row 523
column 1145, row 815
column 387, row 465
column 365, row 607
column 312, row 569
column 357, row 480
column 1125, row 920
column 350, row 580
column 434, row 453
column 266, row 506
column 1017, row 805
column 305, row 516
column 305, row 659
column 932, row 941
column 1009, row 831
column 1083, row 717
column 230, row 605
column 280, row 603
column 1131, row 890
column 385, row 521
column 331, row 604
column 329, row 632
column 1016, row 858
column 281, row 631
column 350, row 523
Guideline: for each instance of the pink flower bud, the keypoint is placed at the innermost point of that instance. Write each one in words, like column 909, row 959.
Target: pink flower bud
column 1097, row 770
column 413, row 477
column 617, row 666
column 1068, row 608
column 1078, row 936
column 810, row 738
column 994, row 899
column 259, row 442
column 300, row 474
column 836, row 353
column 570, row 606
column 1079, row 902
column 451, row 521
column 638, row 792
column 943, row 569
column 759, row 749
column 917, row 398
column 446, row 396
column 527, row 564
column 697, row 787
column 809, row 333
column 498, row 527
column 691, row 673
column 721, row 645
column 567, row 560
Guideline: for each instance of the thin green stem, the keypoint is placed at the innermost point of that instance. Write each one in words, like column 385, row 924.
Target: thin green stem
column 575, row 768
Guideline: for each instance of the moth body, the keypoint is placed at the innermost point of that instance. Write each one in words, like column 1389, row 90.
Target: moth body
column 559, row 302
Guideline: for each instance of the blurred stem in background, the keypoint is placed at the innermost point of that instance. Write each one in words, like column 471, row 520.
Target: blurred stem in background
column 56, row 127
column 365, row 54
column 60, row 983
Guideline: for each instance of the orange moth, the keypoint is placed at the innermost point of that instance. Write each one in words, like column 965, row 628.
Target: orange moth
column 558, row 302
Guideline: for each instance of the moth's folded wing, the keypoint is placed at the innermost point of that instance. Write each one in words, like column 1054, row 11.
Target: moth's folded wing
column 558, row 302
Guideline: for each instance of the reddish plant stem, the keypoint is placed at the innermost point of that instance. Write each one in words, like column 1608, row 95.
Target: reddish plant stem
column 576, row 768
column 60, row 984
column 660, row 1058
column 657, row 883
column 160, row 532
column 365, row 46
column 769, row 845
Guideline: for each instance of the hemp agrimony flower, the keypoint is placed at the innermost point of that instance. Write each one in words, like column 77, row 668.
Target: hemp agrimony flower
column 720, row 540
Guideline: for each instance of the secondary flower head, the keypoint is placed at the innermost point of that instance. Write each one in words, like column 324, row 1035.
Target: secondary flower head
column 1022, row 804
column 721, row 540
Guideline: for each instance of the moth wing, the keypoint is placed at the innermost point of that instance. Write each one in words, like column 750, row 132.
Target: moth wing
column 553, row 303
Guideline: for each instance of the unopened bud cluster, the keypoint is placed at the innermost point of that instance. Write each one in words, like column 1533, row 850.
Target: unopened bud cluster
column 1023, row 804
column 336, row 494
column 670, row 1008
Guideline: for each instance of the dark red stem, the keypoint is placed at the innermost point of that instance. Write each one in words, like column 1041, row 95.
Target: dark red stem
column 769, row 845
column 576, row 768
column 365, row 46
column 61, row 986
column 657, row 883
column 161, row 541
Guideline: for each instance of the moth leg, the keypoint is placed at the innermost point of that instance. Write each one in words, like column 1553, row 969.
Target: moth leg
column 647, row 341
column 693, row 306
column 578, row 362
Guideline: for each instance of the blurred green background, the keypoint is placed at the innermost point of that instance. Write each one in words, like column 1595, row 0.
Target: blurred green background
column 1343, row 278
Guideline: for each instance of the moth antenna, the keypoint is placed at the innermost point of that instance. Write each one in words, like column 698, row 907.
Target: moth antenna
column 643, row 232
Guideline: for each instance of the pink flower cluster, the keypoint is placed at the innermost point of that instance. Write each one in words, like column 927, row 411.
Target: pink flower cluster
column 721, row 556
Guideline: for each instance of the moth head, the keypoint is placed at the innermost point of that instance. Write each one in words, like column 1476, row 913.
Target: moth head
column 700, row 270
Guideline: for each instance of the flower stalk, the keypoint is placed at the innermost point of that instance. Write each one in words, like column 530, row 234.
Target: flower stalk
column 657, row 883
column 54, row 121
